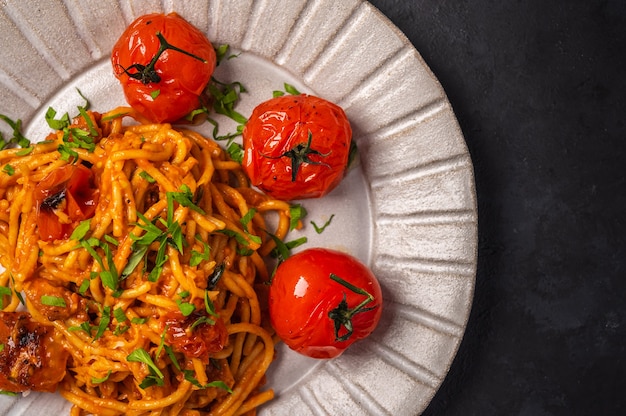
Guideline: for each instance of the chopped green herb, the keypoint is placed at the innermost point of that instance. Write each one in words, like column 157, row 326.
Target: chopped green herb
column 114, row 116
column 141, row 356
column 197, row 257
column 145, row 175
column 296, row 213
column 189, row 376
column 208, row 304
column 54, row 123
column 25, row 151
column 154, row 94
column 283, row 249
column 9, row 170
column 235, row 151
column 83, row 287
column 105, row 320
column 321, row 229
column 119, row 315
column 185, row 308
column 96, row 380
column 289, row 89
column 17, row 138
column 226, row 95
column 53, row 301
column 81, row 230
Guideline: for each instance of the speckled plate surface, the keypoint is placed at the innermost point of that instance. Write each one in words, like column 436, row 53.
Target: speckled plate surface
column 408, row 209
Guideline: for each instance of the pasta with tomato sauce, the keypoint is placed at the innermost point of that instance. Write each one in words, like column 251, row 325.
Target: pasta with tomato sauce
column 140, row 250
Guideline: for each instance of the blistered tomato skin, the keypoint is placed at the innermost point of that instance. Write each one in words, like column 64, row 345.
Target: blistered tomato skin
column 282, row 126
column 303, row 297
column 182, row 78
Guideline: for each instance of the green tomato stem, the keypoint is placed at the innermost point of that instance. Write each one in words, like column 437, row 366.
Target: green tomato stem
column 342, row 315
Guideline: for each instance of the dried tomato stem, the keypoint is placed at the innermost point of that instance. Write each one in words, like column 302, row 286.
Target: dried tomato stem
column 147, row 73
column 299, row 154
column 342, row 314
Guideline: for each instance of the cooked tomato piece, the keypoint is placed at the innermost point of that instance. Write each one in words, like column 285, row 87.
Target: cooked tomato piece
column 196, row 335
column 32, row 356
column 70, row 190
column 38, row 288
column 321, row 301
column 164, row 64
column 296, row 146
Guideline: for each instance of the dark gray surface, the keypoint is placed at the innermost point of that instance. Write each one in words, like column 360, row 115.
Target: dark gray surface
column 539, row 90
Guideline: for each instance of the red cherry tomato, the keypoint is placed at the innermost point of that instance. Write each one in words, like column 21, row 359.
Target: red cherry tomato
column 164, row 65
column 321, row 301
column 69, row 189
column 296, row 146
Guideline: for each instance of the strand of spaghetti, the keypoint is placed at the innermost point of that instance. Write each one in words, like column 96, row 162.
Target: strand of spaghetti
column 182, row 145
column 177, row 271
column 27, row 251
column 206, row 162
column 221, row 205
column 14, row 218
column 99, row 405
column 233, row 197
column 116, row 203
column 87, row 402
column 259, row 266
column 250, row 294
column 273, row 205
column 132, row 154
column 224, row 353
column 226, row 165
column 183, row 388
column 200, row 369
column 249, row 356
column 80, row 345
column 251, row 378
column 231, row 282
column 254, row 402
column 237, row 354
column 208, row 223
column 126, row 245
column 282, row 228
column 128, row 196
column 240, row 178
column 58, row 248
column 137, row 291
column 156, row 174
column 41, row 154
column 160, row 301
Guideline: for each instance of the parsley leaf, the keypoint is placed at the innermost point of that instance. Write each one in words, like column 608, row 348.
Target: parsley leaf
column 320, row 229
column 53, row 301
column 17, row 138
column 141, row 356
column 296, row 213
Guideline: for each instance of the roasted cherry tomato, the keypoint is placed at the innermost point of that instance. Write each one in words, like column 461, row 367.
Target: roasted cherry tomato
column 32, row 355
column 195, row 340
column 321, row 301
column 296, row 146
column 65, row 197
column 164, row 64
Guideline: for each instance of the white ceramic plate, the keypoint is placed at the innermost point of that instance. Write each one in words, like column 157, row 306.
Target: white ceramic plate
column 408, row 209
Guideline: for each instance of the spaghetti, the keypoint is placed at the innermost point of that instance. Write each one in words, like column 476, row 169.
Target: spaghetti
column 146, row 268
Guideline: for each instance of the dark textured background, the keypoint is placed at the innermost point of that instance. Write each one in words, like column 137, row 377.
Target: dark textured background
column 539, row 90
